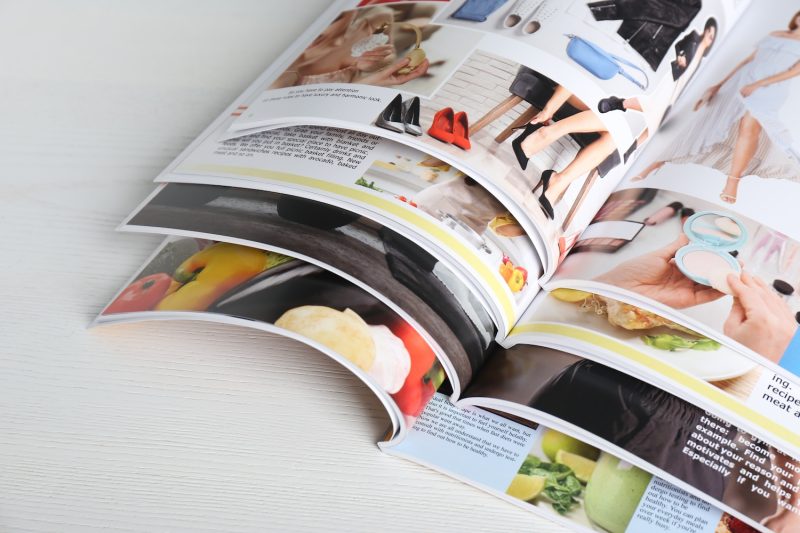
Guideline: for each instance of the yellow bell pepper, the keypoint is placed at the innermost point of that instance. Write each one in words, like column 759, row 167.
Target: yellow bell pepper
column 517, row 279
column 205, row 276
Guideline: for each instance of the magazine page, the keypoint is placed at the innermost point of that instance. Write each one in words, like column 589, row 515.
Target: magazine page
column 555, row 475
column 704, row 230
column 647, row 427
column 447, row 212
column 418, row 287
column 518, row 96
column 196, row 279
column 620, row 335
column 668, row 355
column 705, row 264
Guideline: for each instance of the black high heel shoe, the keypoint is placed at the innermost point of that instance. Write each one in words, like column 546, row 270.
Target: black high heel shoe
column 391, row 118
column 516, row 144
column 411, row 116
column 544, row 203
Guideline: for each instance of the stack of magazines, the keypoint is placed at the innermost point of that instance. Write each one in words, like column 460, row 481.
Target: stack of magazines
column 455, row 201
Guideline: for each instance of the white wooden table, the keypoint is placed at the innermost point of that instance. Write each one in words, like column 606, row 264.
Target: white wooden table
column 170, row 426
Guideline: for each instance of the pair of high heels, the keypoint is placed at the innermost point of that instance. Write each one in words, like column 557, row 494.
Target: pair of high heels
column 516, row 144
column 451, row 128
column 401, row 116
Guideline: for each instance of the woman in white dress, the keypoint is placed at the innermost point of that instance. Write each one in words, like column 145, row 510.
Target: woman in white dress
column 742, row 128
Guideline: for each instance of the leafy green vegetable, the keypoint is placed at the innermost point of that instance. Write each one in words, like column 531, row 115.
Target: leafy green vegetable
column 706, row 345
column 561, row 486
column 667, row 341
column 674, row 343
column 368, row 184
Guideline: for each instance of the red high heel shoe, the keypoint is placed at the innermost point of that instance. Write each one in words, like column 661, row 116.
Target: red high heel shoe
column 461, row 131
column 442, row 127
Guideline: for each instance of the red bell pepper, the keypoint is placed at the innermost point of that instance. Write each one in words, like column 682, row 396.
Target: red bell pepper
column 425, row 374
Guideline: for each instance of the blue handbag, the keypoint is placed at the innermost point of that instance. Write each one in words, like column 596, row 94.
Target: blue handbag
column 601, row 64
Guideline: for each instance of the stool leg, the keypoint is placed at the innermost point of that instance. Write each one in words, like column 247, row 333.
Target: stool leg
column 496, row 112
column 590, row 179
column 523, row 119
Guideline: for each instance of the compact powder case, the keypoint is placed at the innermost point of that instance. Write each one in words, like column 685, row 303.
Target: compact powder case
column 707, row 259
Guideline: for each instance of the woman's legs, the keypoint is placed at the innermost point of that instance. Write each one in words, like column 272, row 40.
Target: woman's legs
column 632, row 103
column 588, row 158
column 583, row 122
column 577, row 103
column 743, row 152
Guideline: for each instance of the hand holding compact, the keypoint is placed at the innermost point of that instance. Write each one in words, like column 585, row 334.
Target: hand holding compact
column 655, row 275
column 708, row 260
column 375, row 58
column 759, row 318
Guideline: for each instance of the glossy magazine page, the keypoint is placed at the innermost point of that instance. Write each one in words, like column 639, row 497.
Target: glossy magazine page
column 553, row 474
column 700, row 266
column 647, row 426
column 702, row 236
column 416, row 285
column 669, row 355
column 197, row 279
column 447, row 212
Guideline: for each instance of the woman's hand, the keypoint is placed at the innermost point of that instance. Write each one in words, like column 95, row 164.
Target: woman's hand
column 710, row 93
column 376, row 58
column 655, row 276
column 388, row 76
column 545, row 115
column 749, row 89
column 759, row 318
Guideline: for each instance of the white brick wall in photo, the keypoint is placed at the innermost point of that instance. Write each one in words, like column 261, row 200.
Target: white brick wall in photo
column 478, row 85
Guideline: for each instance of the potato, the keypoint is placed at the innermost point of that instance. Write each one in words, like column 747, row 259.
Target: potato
column 342, row 331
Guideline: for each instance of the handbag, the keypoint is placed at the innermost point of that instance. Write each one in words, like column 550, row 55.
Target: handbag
column 602, row 64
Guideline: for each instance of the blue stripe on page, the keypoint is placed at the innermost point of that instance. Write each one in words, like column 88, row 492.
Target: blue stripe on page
column 790, row 360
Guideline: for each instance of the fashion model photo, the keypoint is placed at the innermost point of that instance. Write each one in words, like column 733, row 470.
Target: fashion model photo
column 542, row 131
column 742, row 130
column 531, row 134
column 690, row 51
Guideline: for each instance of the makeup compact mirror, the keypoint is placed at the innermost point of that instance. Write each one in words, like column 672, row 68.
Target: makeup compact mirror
column 707, row 259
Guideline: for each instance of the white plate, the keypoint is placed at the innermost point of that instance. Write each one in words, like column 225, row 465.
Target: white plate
column 716, row 365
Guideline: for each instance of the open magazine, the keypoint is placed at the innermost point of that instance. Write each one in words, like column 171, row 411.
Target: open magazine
column 450, row 199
